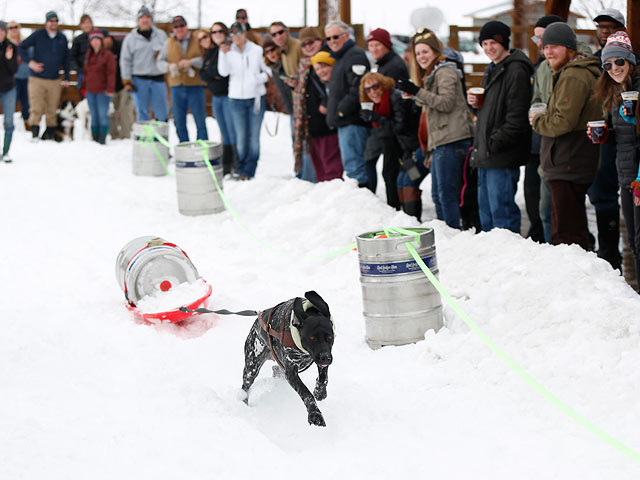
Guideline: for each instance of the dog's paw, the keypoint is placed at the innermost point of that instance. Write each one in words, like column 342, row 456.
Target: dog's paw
column 316, row 418
column 320, row 393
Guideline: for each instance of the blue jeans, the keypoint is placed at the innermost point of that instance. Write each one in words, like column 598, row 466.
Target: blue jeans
column 247, row 125
column 352, row 140
column 404, row 180
column 496, row 198
column 150, row 92
column 99, row 108
column 222, row 113
column 184, row 98
column 8, row 100
column 22, row 90
column 446, row 180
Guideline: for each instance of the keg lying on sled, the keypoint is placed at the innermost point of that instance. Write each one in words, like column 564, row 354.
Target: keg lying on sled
column 400, row 304
column 149, row 265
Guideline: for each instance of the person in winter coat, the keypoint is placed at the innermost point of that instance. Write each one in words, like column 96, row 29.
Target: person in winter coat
column 343, row 105
column 22, row 75
column 290, row 48
column 45, row 51
column 389, row 64
column 219, row 88
column 139, row 70
column 503, row 135
column 242, row 62
column 8, row 68
column 392, row 113
column 279, row 93
column 181, row 55
column 622, row 74
column 325, row 148
column 80, row 47
column 99, row 81
column 121, row 118
column 449, row 123
column 568, row 158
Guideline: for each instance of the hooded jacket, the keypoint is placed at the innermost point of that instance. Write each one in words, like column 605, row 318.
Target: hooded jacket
column 343, row 104
column 503, row 134
column 566, row 153
column 246, row 71
column 391, row 65
column 138, row 54
column 448, row 117
column 99, row 71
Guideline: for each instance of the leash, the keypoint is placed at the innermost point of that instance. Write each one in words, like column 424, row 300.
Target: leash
column 244, row 313
column 266, row 127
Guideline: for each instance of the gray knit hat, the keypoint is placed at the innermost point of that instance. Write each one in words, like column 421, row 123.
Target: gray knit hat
column 51, row 14
column 144, row 11
column 618, row 46
column 559, row 33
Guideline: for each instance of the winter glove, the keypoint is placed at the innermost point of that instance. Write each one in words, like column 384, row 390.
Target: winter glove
column 406, row 86
column 370, row 116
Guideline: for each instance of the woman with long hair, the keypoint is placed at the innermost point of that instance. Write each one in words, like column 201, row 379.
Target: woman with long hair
column 438, row 88
column 623, row 75
column 99, row 81
column 22, row 75
column 219, row 87
column 8, row 68
column 394, row 115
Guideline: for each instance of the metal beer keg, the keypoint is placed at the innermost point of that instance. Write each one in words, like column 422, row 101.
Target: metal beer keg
column 148, row 264
column 400, row 304
column 146, row 159
column 197, row 192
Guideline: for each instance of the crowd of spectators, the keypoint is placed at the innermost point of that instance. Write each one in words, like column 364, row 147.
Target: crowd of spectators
column 347, row 111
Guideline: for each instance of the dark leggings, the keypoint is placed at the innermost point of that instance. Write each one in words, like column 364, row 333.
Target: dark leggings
column 632, row 219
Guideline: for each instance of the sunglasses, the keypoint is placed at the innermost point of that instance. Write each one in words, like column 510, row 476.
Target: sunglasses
column 13, row 27
column 609, row 65
column 278, row 33
column 334, row 37
column 269, row 50
column 235, row 33
column 180, row 25
column 241, row 18
column 307, row 43
column 373, row 87
column 213, row 32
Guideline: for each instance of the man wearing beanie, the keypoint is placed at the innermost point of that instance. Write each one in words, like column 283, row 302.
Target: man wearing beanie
column 181, row 55
column 343, row 105
column 289, row 46
column 503, row 135
column 603, row 193
column 537, row 195
column 45, row 51
column 382, row 141
column 139, row 70
column 569, row 160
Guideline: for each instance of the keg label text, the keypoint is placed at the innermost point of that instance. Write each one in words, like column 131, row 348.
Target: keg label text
column 395, row 268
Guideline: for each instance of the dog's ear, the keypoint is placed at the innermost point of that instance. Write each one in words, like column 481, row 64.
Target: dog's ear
column 298, row 312
column 318, row 302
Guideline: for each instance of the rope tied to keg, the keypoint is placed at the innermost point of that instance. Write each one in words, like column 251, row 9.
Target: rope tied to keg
column 150, row 137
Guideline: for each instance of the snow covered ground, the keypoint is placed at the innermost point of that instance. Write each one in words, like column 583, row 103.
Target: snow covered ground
column 87, row 392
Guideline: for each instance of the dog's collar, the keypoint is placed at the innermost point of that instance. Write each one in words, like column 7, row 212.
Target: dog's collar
column 295, row 333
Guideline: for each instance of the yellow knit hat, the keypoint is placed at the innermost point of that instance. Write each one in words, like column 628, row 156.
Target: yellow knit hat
column 323, row 57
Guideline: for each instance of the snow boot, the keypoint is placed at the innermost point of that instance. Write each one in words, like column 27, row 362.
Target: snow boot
column 95, row 133
column 234, row 164
column 49, row 134
column 35, row 132
column 609, row 237
column 102, row 135
column 5, row 146
column 227, row 159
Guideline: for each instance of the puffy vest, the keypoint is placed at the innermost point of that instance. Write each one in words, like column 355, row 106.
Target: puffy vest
column 174, row 55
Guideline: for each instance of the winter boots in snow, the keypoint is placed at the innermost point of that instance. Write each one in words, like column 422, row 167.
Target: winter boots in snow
column 609, row 237
column 227, row 159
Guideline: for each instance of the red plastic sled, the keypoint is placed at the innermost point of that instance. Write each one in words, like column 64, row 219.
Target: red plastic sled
column 172, row 316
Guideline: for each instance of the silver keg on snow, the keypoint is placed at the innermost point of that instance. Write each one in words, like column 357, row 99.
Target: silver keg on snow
column 197, row 192
column 148, row 152
column 400, row 303
column 150, row 264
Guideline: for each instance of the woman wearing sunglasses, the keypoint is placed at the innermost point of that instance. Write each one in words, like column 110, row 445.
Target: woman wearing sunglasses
column 623, row 75
column 219, row 87
column 449, row 123
column 390, row 114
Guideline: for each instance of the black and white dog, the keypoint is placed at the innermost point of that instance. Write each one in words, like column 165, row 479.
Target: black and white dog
column 295, row 334
column 66, row 117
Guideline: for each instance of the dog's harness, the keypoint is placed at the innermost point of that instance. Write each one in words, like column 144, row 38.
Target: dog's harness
column 285, row 337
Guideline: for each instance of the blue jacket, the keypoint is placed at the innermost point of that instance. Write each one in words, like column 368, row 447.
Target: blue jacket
column 51, row 52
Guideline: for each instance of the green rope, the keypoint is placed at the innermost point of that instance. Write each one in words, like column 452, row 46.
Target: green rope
column 151, row 133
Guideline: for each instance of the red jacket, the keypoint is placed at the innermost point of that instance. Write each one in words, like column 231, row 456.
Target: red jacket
column 99, row 71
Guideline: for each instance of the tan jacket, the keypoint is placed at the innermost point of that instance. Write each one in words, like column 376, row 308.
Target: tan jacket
column 448, row 118
column 291, row 55
column 174, row 55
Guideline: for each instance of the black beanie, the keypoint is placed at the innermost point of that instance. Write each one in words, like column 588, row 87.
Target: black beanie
column 547, row 20
column 495, row 30
column 559, row 33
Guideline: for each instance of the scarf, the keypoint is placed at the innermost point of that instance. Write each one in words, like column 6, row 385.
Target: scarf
column 300, row 120
column 383, row 108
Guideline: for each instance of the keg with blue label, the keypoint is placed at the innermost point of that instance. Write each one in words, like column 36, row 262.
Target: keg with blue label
column 400, row 304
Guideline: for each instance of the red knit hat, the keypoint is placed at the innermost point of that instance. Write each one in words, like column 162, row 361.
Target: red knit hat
column 380, row 35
